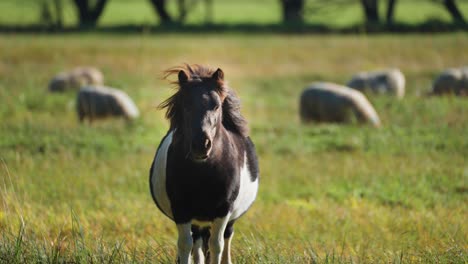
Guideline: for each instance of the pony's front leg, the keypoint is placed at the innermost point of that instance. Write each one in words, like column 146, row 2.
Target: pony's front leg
column 216, row 243
column 184, row 243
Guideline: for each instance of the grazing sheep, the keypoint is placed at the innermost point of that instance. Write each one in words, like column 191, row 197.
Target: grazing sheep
column 82, row 76
column 59, row 83
column 75, row 79
column 452, row 81
column 95, row 102
column 391, row 81
column 328, row 102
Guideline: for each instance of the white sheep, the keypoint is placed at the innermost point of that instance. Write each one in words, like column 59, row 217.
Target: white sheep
column 451, row 81
column 390, row 81
column 329, row 102
column 75, row 79
column 96, row 102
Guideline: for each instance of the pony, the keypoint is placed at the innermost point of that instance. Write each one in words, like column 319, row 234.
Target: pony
column 205, row 173
column 329, row 102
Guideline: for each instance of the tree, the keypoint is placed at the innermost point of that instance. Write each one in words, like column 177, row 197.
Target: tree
column 209, row 11
column 371, row 11
column 52, row 13
column 452, row 8
column 390, row 11
column 88, row 15
column 184, row 8
column 161, row 9
column 293, row 11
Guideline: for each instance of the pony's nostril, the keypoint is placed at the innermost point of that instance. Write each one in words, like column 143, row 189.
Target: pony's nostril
column 207, row 143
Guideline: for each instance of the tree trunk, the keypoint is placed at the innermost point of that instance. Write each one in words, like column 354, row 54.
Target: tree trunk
column 182, row 10
column 293, row 11
column 209, row 11
column 371, row 11
column 58, row 13
column 87, row 15
column 390, row 11
column 454, row 11
column 160, row 8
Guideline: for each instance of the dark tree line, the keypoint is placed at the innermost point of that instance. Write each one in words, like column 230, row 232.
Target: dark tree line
column 371, row 10
column 184, row 7
column 293, row 11
column 88, row 14
column 52, row 13
column 454, row 11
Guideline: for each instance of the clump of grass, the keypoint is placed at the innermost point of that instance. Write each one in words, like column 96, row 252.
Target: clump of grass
column 74, row 246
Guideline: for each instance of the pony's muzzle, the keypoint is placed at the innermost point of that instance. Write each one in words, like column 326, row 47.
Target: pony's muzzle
column 201, row 149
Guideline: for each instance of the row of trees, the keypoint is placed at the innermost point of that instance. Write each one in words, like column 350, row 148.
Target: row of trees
column 293, row 11
column 371, row 8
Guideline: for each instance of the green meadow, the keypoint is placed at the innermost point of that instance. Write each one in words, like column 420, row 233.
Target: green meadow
column 78, row 193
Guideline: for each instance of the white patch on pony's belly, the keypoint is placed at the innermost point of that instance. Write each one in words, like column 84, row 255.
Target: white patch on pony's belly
column 158, row 178
column 247, row 192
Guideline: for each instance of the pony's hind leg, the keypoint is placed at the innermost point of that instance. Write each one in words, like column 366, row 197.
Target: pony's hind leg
column 228, row 234
column 197, row 251
column 198, row 256
column 184, row 243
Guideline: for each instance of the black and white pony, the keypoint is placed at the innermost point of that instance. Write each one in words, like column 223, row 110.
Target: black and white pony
column 205, row 172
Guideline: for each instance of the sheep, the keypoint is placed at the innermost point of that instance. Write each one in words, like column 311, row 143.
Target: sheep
column 59, row 83
column 96, row 102
column 82, row 76
column 329, row 102
column 451, row 81
column 390, row 81
column 75, row 79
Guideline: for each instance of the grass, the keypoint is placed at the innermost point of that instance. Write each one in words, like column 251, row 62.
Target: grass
column 328, row 194
column 264, row 12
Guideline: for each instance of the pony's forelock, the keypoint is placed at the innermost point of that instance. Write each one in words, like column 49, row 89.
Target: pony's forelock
column 195, row 73
column 232, row 118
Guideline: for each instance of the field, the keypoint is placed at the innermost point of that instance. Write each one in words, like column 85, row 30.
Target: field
column 79, row 193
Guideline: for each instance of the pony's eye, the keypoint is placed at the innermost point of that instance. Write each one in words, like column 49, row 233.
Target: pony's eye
column 216, row 107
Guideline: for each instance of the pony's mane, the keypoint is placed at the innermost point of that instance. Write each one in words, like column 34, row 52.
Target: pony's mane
column 193, row 72
column 232, row 118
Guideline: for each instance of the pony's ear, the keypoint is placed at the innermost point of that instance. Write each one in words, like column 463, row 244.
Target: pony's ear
column 218, row 75
column 183, row 78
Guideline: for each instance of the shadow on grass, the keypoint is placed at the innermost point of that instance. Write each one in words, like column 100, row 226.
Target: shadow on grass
column 431, row 26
